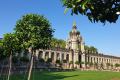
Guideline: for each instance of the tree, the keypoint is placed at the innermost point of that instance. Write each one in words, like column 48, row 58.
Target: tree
column 62, row 43
column 34, row 31
column 91, row 49
column 58, row 43
column 1, row 43
column 1, row 50
column 117, row 65
column 86, row 47
column 11, row 46
column 95, row 10
column 54, row 42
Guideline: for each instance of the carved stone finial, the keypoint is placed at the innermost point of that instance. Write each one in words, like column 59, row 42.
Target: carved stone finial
column 74, row 25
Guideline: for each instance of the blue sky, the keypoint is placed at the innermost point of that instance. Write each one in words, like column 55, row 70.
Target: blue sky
column 105, row 38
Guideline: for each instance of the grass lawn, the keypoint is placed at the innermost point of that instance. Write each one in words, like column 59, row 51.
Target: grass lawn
column 75, row 75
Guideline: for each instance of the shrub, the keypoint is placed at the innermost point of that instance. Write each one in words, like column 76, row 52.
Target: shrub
column 77, row 62
column 82, row 62
column 71, row 62
column 64, row 61
column 108, row 64
column 87, row 63
column 58, row 61
column 117, row 65
column 91, row 64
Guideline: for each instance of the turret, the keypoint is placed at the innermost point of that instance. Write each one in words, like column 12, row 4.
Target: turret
column 75, row 40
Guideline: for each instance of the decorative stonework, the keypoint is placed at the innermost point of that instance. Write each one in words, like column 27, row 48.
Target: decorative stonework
column 75, row 56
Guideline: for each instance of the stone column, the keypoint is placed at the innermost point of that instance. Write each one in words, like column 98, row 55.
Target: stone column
column 55, row 56
column 89, row 59
column 86, row 60
column 93, row 60
column 70, row 56
column 70, row 59
column 105, row 61
column 65, row 56
column 110, row 60
column 98, row 60
column 60, row 56
column 30, row 53
column 36, row 54
column 21, row 55
column 75, row 59
column 43, row 56
column 50, row 54
column 83, row 60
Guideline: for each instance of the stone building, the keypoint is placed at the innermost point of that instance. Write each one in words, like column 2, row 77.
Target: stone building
column 76, row 56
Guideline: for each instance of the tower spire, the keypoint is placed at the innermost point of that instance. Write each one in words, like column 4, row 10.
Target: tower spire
column 74, row 25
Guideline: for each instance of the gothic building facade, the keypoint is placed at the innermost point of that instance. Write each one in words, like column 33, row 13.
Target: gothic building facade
column 76, row 56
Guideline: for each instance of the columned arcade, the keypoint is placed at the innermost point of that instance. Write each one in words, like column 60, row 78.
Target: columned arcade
column 75, row 55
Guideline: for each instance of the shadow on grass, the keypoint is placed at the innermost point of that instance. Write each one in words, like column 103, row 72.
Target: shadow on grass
column 49, row 76
column 38, row 76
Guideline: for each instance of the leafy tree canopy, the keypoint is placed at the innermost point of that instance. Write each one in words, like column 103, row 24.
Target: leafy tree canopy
column 10, row 43
column 1, row 50
column 91, row 49
column 1, row 42
column 95, row 10
column 34, row 31
column 58, row 43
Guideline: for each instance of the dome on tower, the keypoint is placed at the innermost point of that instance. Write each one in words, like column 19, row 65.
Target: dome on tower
column 74, row 30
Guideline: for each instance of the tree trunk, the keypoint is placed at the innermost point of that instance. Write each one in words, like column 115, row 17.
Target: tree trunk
column 30, row 69
column 10, row 66
column 1, row 70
